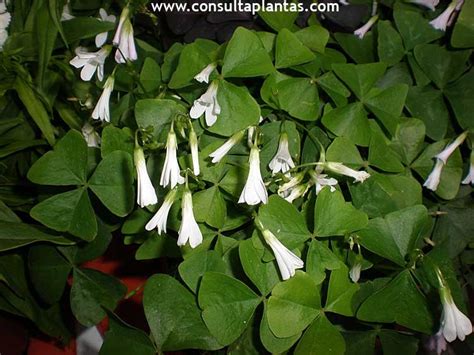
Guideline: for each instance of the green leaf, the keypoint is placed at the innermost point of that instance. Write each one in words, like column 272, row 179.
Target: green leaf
column 319, row 259
column 245, row 56
column 123, row 339
column 396, row 235
column 157, row 113
column 360, row 50
column 340, row 292
column 321, row 338
column 156, row 246
column 192, row 60
column 91, row 290
column 264, row 275
column 16, row 235
column 174, row 317
column 68, row 212
column 441, row 65
column 382, row 194
column 380, row 153
column 344, row 151
column 299, row 97
column 387, row 104
column 390, row 47
column 334, row 216
column 279, row 20
column 360, row 343
column 360, row 78
column 451, row 175
column 150, row 75
column 414, row 28
column 334, row 88
column 196, row 265
column 65, row 165
column 460, row 95
column 290, row 51
column 285, row 221
column 295, row 301
column 272, row 343
column 394, row 343
column 227, row 304
column 314, row 37
column 35, row 108
column 46, row 34
column 114, row 138
column 399, row 301
column 349, row 121
column 428, row 104
column 463, row 32
column 409, row 139
column 112, row 183
column 209, row 206
column 49, row 271
column 85, row 27
column 239, row 109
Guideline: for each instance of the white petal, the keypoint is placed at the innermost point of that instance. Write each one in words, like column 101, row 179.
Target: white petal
column 100, row 39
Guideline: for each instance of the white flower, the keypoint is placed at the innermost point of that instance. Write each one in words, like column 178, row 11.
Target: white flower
column 102, row 110
column 430, row 4
column 254, row 190
column 433, row 179
column 339, row 168
column 189, row 229
column 296, row 192
column 171, row 172
column 124, row 39
column 320, row 180
column 441, row 22
column 282, row 160
column 436, row 343
column 66, row 14
column 285, row 189
column 90, row 135
column 355, row 270
column 193, row 143
column 203, row 76
column 3, row 38
column 286, row 260
column 160, row 218
column 101, row 38
column 220, row 152
column 90, row 62
column 146, row 194
column 207, row 104
column 360, row 32
column 450, row 148
column 454, row 324
column 469, row 179
column 5, row 17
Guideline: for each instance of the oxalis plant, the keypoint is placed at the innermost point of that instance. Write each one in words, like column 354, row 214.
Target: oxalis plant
column 309, row 192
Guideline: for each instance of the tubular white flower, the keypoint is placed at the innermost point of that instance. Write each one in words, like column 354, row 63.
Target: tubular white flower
column 90, row 135
column 441, row 22
column 436, row 343
column 296, row 192
column 450, row 148
column 66, row 14
column 203, row 76
column 469, row 179
column 102, row 111
column 430, row 4
column 339, row 168
column 124, row 39
column 434, row 178
column 285, row 189
column 282, row 160
column 5, row 17
column 146, row 194
column 193, row 144
column 354, row 272
column 287, row 261
column 220, row 152
column 254, row 190
column 454, row 324
column 189, row 229
column 160, row 218
column 320, row 180
column 360, row 32
column 101, row 38
column 171, row 172
column 90, row 62
column 207, row 104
